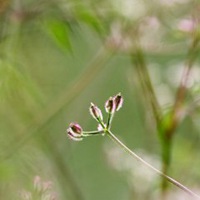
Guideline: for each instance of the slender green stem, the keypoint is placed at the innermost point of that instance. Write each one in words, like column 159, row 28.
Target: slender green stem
column 92, row 133
column 161, row 174
column 102, row 124
column 110, row 118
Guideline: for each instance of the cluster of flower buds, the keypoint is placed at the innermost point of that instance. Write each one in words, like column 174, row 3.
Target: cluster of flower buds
column 113, row 104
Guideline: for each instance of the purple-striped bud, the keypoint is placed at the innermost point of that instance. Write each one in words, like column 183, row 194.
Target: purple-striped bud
column 95, row 112
column 110, row 105
column 118, row 99
column 75, row 132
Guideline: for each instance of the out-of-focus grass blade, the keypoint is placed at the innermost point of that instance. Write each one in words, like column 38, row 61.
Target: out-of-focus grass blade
column 59, row 32
column 90, row 19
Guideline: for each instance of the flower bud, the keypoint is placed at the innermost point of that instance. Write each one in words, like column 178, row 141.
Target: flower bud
column 110, row 105
column 118, row 99
column 96, row 112
column 75, row 132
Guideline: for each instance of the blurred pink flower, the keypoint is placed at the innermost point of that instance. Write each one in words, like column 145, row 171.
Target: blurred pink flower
column 186, row 25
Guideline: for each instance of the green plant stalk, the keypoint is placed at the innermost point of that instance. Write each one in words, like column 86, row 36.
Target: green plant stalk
column 149, row 94
column 192, row 54
column 158, row 172
column 109, row 121
column 146, row 83
column 167, row 133
column 92, row 133
column 166, row 161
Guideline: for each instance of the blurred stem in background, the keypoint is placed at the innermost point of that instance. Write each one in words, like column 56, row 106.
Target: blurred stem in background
column 145, row 81
column 139, row 62
column 165, row 129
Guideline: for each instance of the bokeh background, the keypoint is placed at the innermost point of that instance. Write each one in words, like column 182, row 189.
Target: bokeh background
column 57, row 56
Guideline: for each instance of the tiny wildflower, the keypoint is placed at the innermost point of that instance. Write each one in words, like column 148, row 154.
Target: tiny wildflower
column 118, row 99
column 96, row 112
column 75, row 132
column 114, row 103
column 110, row 105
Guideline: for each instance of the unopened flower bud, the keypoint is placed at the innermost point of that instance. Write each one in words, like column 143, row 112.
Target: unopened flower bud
column 118, row 99
column 110, row 105
column 96, row 112
column 75, row 132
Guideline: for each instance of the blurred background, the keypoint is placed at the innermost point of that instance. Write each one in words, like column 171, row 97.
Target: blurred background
column 57, row 56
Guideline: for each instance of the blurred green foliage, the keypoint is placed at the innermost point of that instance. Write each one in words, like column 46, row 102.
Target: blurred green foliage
column 58, row 56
